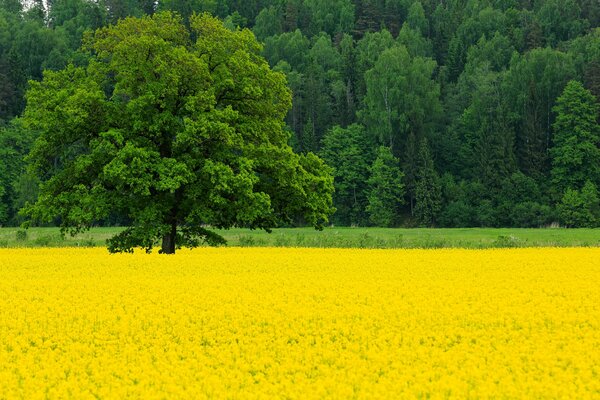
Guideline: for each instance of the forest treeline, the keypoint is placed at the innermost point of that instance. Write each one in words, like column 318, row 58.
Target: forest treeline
column 452, row 113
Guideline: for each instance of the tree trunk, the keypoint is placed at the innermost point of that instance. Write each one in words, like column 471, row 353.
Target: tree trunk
column 168, row 242
column 170, row 238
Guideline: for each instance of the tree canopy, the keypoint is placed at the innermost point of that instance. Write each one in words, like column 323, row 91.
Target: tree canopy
column 480, row 80
column 176, row 130
column 575, row 155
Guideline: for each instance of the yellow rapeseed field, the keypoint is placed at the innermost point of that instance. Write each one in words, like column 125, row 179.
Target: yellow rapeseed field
column 300, row 324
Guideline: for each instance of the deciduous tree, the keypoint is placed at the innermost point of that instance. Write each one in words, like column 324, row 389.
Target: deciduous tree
column 401, row 97
column 348, row 152
column 386, row 190
column 176, row 130
column 576, row 151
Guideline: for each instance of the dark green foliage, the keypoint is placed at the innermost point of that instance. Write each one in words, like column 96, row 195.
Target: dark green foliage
column 401, row 97
column 16, row 185
column 522, row 204
column 585, row 50
column 386, row 190
column 368, row 50
column 487, row 136
column 457, row 214
column 348, row 152
column 417, row 20
column 428, row 196
column 531, row 214
column 575, row 155
column 484, row 23
column 534, row 82
column 479, row 79
column 21, row 235
column 580, row 208
column 268, row 23
column 415, row 43
column 331, row 16
column 561, row 20
column 172, row 133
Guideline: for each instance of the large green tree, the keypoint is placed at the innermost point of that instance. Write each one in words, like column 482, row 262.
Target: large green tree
column 576, row 151
column 175, row 129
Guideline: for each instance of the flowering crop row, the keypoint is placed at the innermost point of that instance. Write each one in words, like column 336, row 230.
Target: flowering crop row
column 300, row 323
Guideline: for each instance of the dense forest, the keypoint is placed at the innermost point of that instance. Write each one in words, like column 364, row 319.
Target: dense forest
column 447, row 113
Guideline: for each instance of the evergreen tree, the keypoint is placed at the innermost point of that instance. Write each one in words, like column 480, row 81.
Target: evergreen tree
column 591, row 203
column 428, row 191
column 349, row 79
column 416, row 19
column 14, row 7
column 560, row 20
column 331, row 16
column 441, row 28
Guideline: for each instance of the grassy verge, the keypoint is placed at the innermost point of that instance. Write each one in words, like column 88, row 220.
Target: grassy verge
column 338, row 237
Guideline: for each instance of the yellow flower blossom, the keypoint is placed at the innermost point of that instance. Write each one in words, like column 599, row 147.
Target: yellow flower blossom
column 266, row 323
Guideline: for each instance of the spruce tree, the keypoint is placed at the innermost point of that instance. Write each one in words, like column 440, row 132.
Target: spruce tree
column 428, row 191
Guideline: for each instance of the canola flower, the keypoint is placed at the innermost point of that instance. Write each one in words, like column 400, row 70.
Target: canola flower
column 300, row 324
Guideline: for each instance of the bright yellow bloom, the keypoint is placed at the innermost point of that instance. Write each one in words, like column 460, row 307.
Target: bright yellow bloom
column 300, row 324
